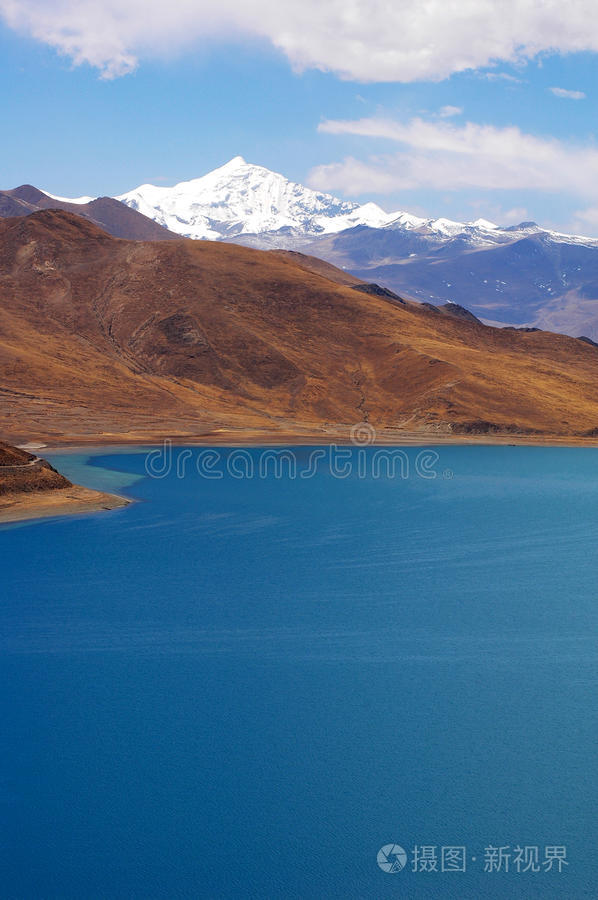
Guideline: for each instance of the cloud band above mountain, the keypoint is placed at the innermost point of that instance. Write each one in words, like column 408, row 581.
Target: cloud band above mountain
column 366, row 40
column 444, row 156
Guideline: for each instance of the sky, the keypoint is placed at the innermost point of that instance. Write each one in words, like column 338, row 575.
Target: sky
column 462, row 108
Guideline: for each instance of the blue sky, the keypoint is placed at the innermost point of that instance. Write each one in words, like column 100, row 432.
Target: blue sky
column 176, row 112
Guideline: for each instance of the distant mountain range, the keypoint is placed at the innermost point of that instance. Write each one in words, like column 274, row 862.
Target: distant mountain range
column 521, row 275
column 145, row 340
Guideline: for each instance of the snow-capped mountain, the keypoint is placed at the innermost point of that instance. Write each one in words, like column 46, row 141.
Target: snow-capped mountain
column 243, row 201
column 240, row 198
column 522, row 275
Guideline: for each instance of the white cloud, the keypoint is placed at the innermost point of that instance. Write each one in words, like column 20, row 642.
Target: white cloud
column 567, row 95
column 364, row 40
column 502, row 76
column 444, row 156
column 515, row 215
column 585, row 221
column 446, row 112
column 496, row 212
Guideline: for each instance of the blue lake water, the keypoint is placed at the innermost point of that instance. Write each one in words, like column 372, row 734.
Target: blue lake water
column 245, row 687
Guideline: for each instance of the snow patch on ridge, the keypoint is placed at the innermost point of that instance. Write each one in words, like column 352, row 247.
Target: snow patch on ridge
column 69, row 199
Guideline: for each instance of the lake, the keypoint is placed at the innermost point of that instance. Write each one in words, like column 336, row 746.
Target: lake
column 250, row 681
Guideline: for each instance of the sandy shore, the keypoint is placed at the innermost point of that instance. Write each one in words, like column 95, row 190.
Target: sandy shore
column 341, row 437
column 62, row 502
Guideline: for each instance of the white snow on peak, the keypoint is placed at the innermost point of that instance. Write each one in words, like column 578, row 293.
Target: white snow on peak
column 69, row 199
column 485, row 224
column 235, row 163
column 447, row 226
column 241, row 198
column 408, row 221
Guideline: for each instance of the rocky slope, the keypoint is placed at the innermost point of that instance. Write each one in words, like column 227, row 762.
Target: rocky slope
column 103, row 339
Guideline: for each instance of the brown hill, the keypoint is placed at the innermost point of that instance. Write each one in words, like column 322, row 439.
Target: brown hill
column 21, row 472
column 104, row 338
column 111, row 215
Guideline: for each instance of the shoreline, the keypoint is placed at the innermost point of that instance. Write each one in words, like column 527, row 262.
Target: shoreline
column 316, row 439
column 74, row 500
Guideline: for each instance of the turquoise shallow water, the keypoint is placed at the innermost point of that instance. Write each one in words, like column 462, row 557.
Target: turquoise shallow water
column 245, row 687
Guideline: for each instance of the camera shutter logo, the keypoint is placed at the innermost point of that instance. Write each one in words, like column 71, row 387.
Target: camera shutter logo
column 391, row 858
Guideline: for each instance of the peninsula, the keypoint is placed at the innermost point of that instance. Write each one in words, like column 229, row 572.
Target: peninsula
column 30, row 488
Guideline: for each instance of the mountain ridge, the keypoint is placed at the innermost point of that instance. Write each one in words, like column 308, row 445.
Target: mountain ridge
column 319, row 211
column 116, row 218
column 106, row 339
column 518, row 275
